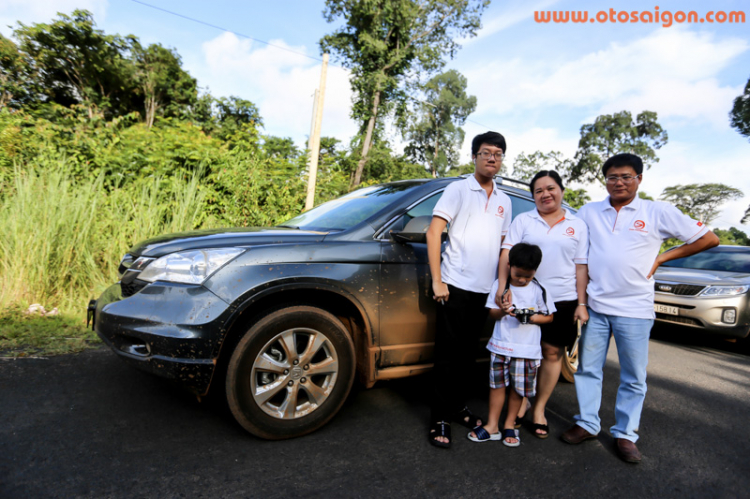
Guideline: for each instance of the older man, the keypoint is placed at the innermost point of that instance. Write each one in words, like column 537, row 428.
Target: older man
column 625, row 235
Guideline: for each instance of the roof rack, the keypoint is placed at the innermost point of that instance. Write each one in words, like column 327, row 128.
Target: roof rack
column 513, row 181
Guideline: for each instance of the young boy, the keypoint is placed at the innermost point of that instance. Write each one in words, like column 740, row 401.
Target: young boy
column 515, row 346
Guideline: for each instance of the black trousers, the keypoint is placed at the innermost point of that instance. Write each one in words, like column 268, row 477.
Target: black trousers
column 458, row 327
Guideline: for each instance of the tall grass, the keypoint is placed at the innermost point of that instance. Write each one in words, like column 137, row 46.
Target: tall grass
column 61, row 240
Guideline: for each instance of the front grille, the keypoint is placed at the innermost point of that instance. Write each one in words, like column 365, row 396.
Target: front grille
column 678, row 289
column 678, row 320
column 132, row 288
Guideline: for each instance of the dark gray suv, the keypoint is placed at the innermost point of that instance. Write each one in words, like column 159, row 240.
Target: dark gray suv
column 282, row 319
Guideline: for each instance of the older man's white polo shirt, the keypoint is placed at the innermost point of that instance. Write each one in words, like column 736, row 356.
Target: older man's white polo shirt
column 563, row 245
column 622, row 249
column 477, row 225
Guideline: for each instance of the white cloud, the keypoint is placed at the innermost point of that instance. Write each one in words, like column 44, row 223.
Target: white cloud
column 280, row 83
column 526, row 140
column 43, row 11
column 508, row 17
column 683, row 163
column 672, row 72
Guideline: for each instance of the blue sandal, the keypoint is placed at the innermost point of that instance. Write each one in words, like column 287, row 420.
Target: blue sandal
column 482, row 435
column 511, row 433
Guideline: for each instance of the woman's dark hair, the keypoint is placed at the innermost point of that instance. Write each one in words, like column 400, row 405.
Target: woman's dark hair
column 490, row 138
column 623, row 159
column 525, row 256
column 546, row 173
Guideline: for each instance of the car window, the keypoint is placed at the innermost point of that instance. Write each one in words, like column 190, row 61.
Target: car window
column 521, row 205
column 349, row 210
column 716, row 259
column 424, row 208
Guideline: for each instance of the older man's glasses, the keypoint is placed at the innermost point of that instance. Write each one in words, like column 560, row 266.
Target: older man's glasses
column 485, row 155
column 625, row 179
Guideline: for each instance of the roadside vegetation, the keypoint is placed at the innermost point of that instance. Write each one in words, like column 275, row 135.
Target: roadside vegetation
column 105, row 142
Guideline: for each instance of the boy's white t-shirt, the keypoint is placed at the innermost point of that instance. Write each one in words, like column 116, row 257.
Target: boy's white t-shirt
column 511, row 338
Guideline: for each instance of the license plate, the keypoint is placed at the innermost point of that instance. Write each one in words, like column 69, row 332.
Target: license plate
column 664, row 309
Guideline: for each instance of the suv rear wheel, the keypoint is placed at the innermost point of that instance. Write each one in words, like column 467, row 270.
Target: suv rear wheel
column 290, row 373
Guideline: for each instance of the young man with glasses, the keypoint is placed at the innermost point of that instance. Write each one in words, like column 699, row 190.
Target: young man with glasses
column 479, row 215
column 625, row 235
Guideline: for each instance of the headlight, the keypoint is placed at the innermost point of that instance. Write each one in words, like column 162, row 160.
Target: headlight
column 189, row 267
column 724, row 290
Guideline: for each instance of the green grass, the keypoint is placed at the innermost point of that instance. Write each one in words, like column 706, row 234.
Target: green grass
column 23, row 335
column 62, row 240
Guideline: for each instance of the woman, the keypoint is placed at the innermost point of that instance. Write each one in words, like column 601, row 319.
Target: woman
column 563, row 272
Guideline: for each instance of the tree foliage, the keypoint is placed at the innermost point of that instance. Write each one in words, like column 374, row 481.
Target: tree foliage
column 166, row 88
column 526, row 166
column 732, row 236
column 434, row 129
column 576, row 197
column 384, row 42
column 614, row 134
column 16, row 82
column 701, row 201
column 739, row 116
column 76, row 64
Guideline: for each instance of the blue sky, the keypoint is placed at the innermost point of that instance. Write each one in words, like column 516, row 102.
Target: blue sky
column 535, row 83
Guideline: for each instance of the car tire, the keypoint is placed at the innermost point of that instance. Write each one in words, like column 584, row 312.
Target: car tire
column 290, row 373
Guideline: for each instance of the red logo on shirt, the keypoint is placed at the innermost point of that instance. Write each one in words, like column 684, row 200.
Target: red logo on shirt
column 639, row 226
column 700, row 224
column 570, row 231
column 501, row 211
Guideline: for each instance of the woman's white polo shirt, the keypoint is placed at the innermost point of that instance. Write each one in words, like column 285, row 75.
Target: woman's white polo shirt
column 477, row 226
column 622, row 249
column 563, row 245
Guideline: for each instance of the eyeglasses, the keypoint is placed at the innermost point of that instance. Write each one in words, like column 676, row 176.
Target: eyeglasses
column 626, row 179
column 485, row 155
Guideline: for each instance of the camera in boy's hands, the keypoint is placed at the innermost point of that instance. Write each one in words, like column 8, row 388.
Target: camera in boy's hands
column 524, row 314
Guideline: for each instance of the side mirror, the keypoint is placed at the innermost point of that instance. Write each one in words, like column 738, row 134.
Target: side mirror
column 416, row 231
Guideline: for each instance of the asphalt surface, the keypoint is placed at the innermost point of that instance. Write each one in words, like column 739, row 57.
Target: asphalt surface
column 87, row 425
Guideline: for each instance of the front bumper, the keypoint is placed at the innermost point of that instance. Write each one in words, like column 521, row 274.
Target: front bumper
column 171, row 330
column 707, row 313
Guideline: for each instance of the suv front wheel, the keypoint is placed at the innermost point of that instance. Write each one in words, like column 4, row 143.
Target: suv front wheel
column 290, row 373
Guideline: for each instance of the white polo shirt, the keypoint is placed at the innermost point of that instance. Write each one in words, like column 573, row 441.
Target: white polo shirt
column 563, row 245
column 477, row 225
column 622, row 250
column 511, row 338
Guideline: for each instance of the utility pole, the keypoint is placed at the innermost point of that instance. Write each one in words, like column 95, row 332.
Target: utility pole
column 314, row 142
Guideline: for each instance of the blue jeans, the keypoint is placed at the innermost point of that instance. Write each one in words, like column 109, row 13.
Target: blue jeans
column 631, row 337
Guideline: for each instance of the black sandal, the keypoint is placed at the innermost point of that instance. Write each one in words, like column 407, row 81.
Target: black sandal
column 461, row 418
column 542, row 427
column 440, row 429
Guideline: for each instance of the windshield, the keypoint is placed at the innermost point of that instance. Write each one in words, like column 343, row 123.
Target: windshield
column 724, row 259
column 347, row 211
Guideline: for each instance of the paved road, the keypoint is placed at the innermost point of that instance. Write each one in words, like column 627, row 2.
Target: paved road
column 88, row 425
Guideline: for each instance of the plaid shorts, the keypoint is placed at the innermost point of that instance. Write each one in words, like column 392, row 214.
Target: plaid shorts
column 521, row 371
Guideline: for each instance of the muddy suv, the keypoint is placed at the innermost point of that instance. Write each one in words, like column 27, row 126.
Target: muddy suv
column 282, row 319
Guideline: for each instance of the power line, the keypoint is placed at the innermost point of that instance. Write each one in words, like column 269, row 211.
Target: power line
column 270, row 45
column 227, row 30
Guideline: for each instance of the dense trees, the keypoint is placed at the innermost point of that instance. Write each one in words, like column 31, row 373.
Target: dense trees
column 739, row 116
column 613, row 134
column 701, row 201
column 384, row 42
column 433, row 128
